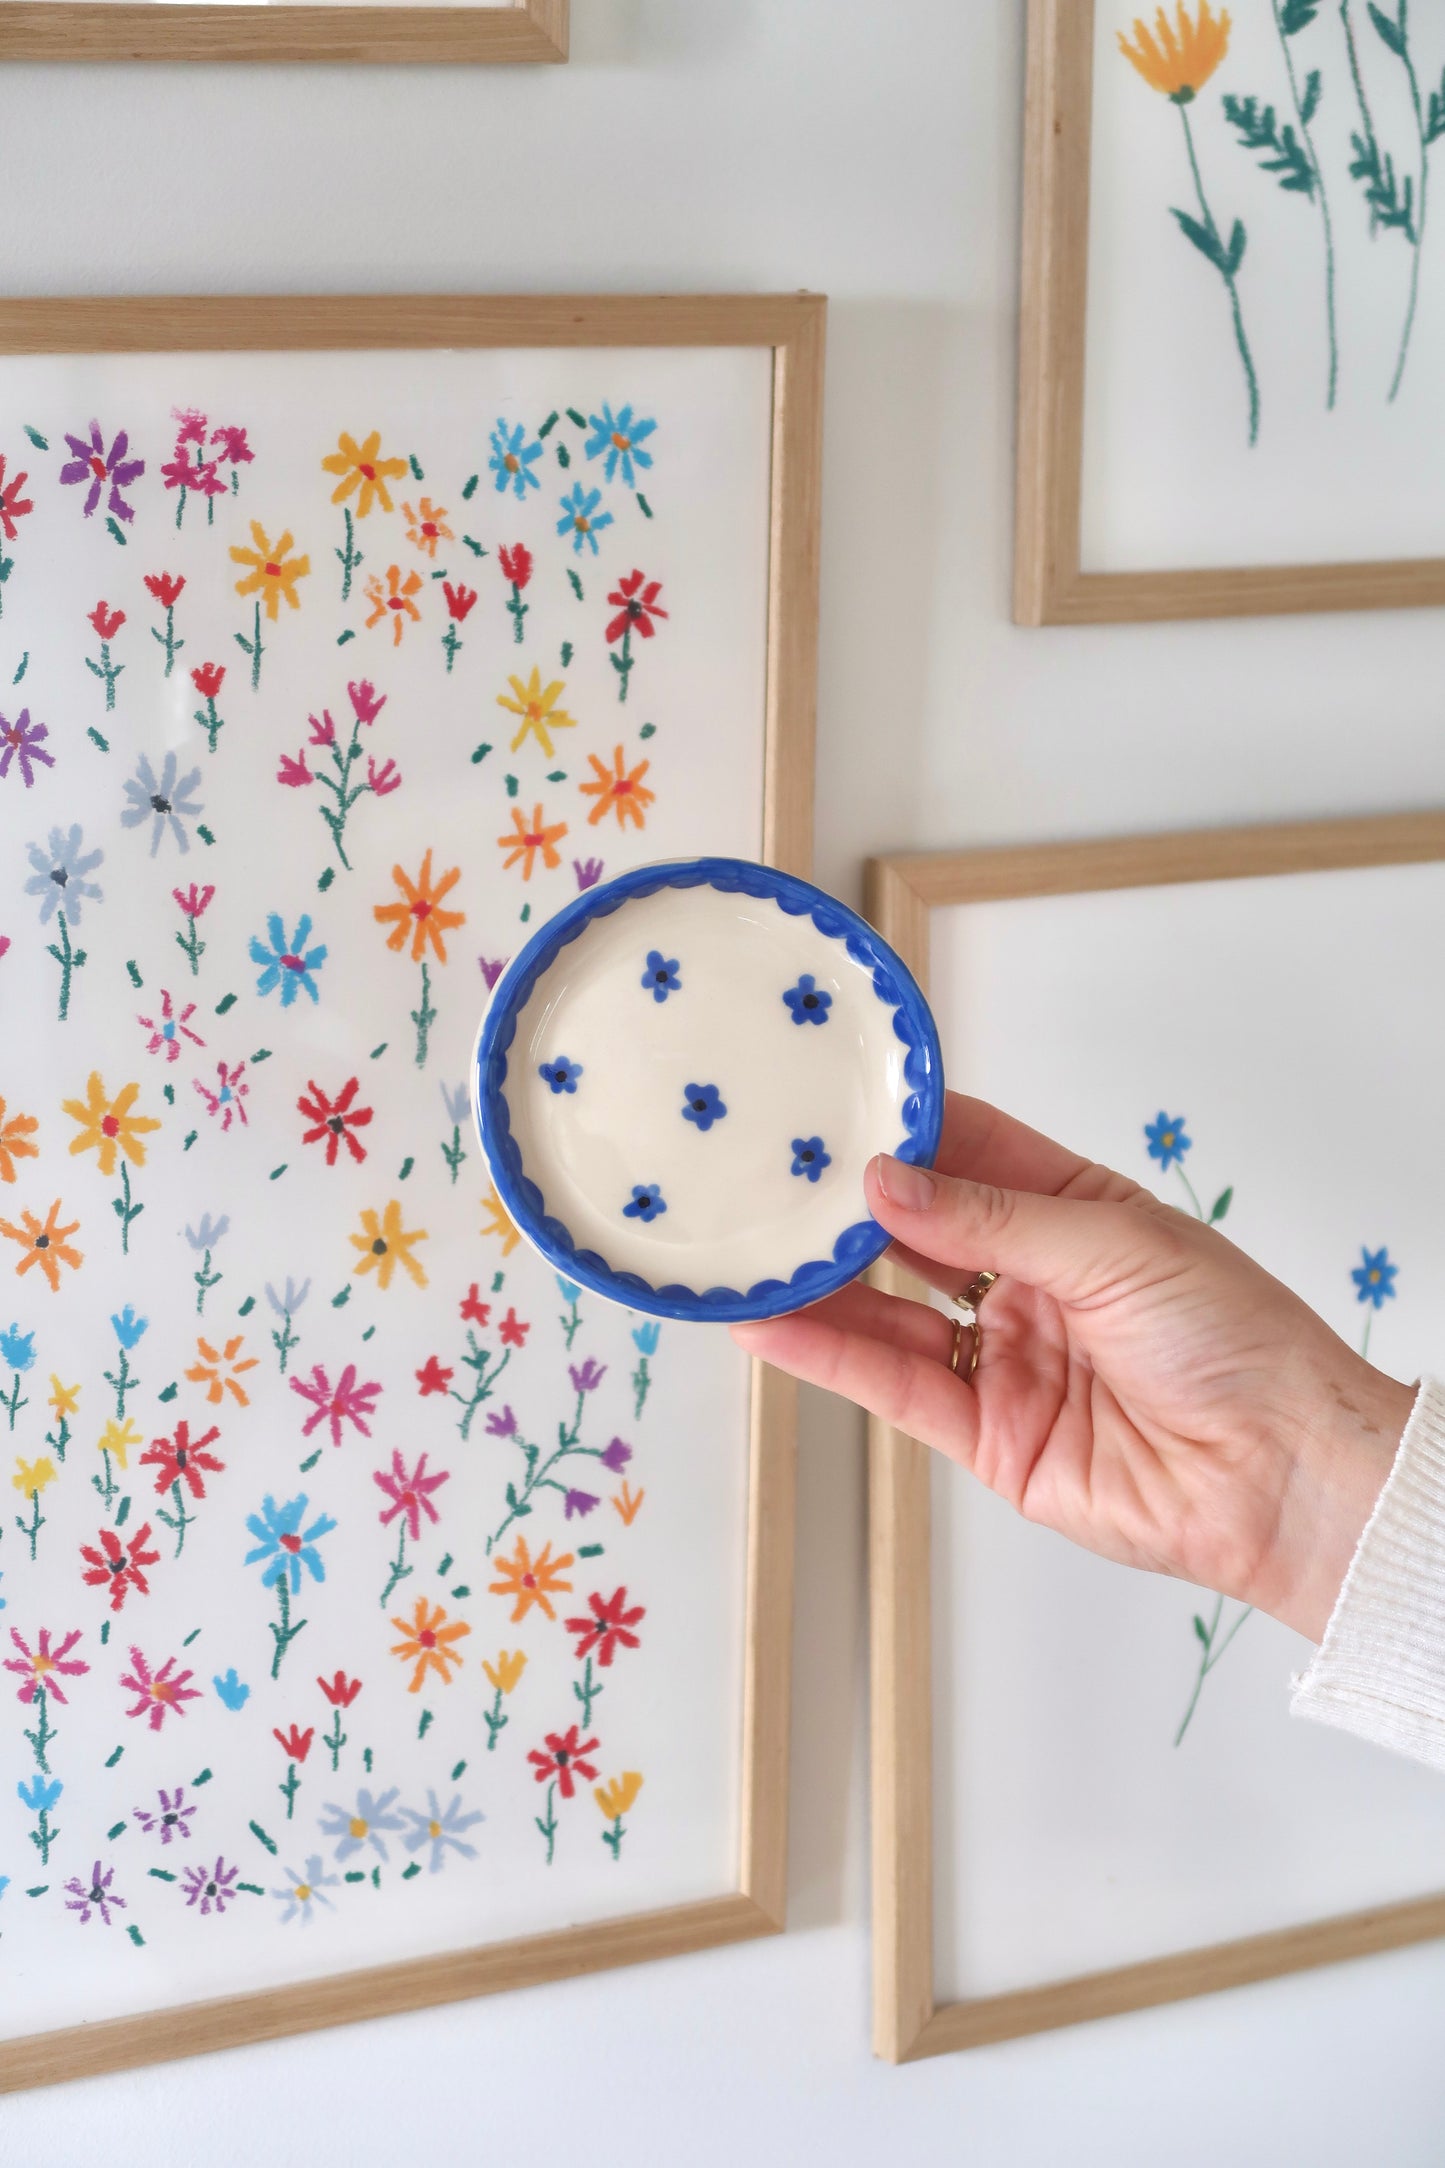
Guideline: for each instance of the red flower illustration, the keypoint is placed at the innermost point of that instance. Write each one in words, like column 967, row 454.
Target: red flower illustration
column 564, row 1760
column 44, row 1666
column 335, row 1119
column 409, row 1494
column 347, row 1402
column 294, row 772
column 157, row 1692
column 459, row 598
column 183, row 1459
column 119, row 1566
column 106, row 622
column 608, row 1629
column 516, row 563
column 514, row 1332
column 194, row 900
column 165, row 586
column 432, row 1378
column 295, row 1744
column 207, row 678
column 474, row 1312
column 12, row 505
column 635, row 611
column 340, row 1691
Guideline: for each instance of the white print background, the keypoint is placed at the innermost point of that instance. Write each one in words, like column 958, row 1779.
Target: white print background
column 1071, row 1832
column 672, row 1708
column 1169, row 477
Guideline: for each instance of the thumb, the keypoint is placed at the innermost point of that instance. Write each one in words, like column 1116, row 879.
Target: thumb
column 1073, row 1249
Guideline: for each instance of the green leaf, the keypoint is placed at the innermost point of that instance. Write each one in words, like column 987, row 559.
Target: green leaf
column 1258, row 129
column 1206, row 242
column 1235, row 256
column 1310, row 102
column 1435, row 116
column 1392, row 203
column 1391, row 33
column 1201, row 1629
column 1221, row 1205
column 42, row 444
column 1297, row 15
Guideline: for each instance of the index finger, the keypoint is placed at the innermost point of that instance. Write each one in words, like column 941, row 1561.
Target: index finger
column 986, row 1145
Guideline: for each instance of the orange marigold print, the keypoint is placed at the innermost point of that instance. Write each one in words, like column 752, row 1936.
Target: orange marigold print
column 420, row 912
column 531, row 1580
column 16, row 1132
column 618, row 788
column 394, row 600
column 528, row 839
column 427, row 1641
column 45, row 1243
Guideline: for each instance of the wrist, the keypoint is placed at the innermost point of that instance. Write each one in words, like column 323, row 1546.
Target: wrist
column 1347, row 1446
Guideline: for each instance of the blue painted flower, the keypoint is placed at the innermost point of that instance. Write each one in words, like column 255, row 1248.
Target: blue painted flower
column 645, row 1337
column 1166, row 1139
column 285, row 1545
column 458, row 1104
column 647, row 1202
column 807, row 1001
column 1375, row 1278
column 361, row 1824
column 581, row 518
column 4, row 1884
column 232, row 1690
column 208, row 1232
column 703, row 1105
column 305, row 1891
column 38, row 1795
column 291, row 1297
column 288, row 965
column 18, row 1348
column 660, row 978
column 809, row 1157
column 513, row 458
column 568, row 1288
column 441, row 1828
column 128, row 1328
column 59, row 879
column 621, row 439
column 560, row 1075
column 162, row 800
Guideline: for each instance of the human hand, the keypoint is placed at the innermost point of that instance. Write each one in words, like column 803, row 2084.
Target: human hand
column 1143, row 1386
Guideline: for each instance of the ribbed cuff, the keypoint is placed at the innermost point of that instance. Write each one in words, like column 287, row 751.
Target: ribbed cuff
column 1380, row 1670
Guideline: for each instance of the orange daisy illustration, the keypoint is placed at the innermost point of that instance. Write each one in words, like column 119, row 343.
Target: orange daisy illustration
column 427, row 1642
column 16, row 1131
column 106, row 1124
column 421, row 909
column 426, row 526
column 532, row 1580
column 362, row 470
column 529, row 839
column 45, row 1243
column 394, row 597
column 384, row 1243
column 219, row 1372
column 273, row 575
column 623, row 790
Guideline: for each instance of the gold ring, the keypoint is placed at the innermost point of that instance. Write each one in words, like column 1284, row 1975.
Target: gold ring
column 967, row 1301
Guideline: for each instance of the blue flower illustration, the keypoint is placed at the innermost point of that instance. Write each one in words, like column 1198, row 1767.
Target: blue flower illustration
column 305, row 1891
column 291, row 1297
column 513, row 458
column 285, row 1545
column 1375, row 1278
column 581, row 518
column 361, row 1825
column 18, row 1348
column 621, row 438
column 288, row 965
column 232, row 1690
column 1166, row 1138
column 38, row 1795
column 645, row 1337
column 568, row 1289
column 702, row 1104
column 647, row 1202
column 809, row 1157
column 560, row 1075
column 4, row 1884
column 61, row 870
column 162, row 800
column 208, row 1232
column 660, row 978
column 128, row 1328
column 807, row 1001
column 441, row 1828
column 457, row 1103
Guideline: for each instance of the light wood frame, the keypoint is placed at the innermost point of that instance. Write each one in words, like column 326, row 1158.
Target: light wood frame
column 70, row 30
column 793, row 327
column 907, row 2022
column 1049, row 586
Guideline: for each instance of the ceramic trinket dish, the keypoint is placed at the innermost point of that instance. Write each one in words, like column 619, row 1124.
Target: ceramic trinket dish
column 681, row 1078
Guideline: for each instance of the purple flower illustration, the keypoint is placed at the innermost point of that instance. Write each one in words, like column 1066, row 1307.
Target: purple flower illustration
column 615, row 1456
column 212, row 1888
column 588, row 1377
column 171, row 1817
column 97, row 466
column 588, row 871
column 20, row 742
column 581, row 1503
column 96, row 1896
column 503, row 1425
column 492, row 969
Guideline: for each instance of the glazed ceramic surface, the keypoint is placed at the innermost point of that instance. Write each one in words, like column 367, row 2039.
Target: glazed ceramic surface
column 682, row 1078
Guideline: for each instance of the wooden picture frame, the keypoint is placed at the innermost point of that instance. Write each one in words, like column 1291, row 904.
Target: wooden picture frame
column 792, row 326
column 908, row 2022
column 1050, row 588
column 523, row 32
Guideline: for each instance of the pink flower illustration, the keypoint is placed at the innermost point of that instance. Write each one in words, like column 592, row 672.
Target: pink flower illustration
column 410, row 1494
column 44, row 1666
column 158, row 1692
column 229, row 1095
column 171, row 1029
column 346, row 1402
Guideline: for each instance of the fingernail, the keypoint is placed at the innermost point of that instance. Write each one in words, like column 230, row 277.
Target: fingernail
column 912, row 1188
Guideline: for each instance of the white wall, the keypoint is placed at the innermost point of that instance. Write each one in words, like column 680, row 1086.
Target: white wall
column 867, row 149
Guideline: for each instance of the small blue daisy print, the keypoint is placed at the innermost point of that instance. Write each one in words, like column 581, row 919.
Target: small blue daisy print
column 809, row 1157
column 1374, row 1278
column 702, row 1104
column 807, row 1001
column 581, row 518
column 647, row 1202
column 290, row 965
column 660, row 978
column 513, row 458
column 620, row 437
column 1166, row 1139
column 560, row 1075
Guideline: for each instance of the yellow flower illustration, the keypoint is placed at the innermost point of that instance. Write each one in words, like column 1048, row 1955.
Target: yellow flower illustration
column 395, row 597
column 273, row 575
column 219, row 1372
column 537, row 706
column 33, row 1475
column 118, row 1438
column 618, row 1795
column 361, row 468
column 426, row 526
column 620, row 788
column 531, row 1580
column 498, row 1222
column 64, row 1399
column 427, row 1641
column 1178, row 61
column 384, row 1243
column 107, row 1123
column 508, row 1669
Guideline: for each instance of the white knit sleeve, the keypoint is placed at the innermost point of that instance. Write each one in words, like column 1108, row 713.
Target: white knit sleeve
column 1380, row 1670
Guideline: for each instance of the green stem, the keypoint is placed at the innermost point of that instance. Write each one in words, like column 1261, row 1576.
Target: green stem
column 58, row 1439
column 42, row 1836
column 1304, row 130
column 350, row 557
column 519, row 610
column 571, row 1323
column 549, row 1826
column 44, row 1732
column 496, row 1722
column 539, row 1471
column 205, row 1280
column 169, row 641
column 210, row 722
column 69, row 959
column 1365, row 1340
column 424, row 1017
column 400, row 1570
column 284, row 1340
column 450, row 643
column 284, row 1633
column 1193, row 1195
column 124, row 1210
column 122, row 1382
column 624, row 666
column 1365, row 117
column 1251, row 381
column 641, row 1381
column 289, row 1789
column 1409, row 323
column 613, row 1837
column 180, row 1520
column 587, row 1690
column 191, row 946
column 483, row 1389
column 1209, row 1657
column 335, row 1739
column 455, row 1153
column 33, row 1526
column 12, row 1402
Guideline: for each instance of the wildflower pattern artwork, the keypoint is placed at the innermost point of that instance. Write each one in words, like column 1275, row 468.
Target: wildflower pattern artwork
column 363, row 1585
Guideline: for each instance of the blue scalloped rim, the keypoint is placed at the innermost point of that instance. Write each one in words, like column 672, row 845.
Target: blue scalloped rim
column 857, row 1246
